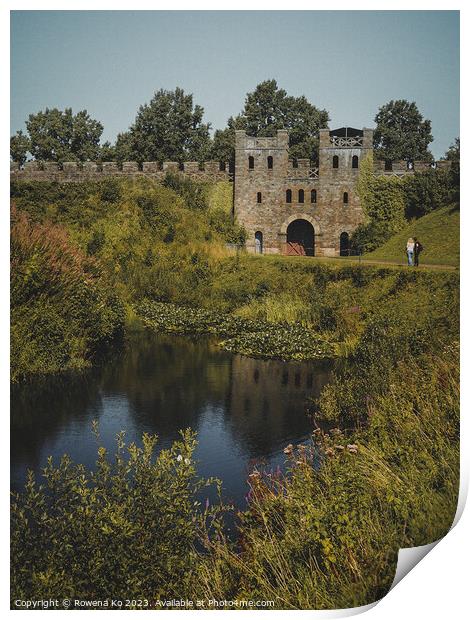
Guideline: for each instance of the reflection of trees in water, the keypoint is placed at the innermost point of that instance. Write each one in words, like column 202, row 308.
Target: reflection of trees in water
column 40, row 409
column 169, row 380
column 268, row 400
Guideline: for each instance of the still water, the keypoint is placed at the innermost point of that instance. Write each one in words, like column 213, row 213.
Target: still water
column 245, row 411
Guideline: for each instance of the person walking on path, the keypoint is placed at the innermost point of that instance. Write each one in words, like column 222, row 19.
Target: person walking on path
column 417, row 249
column 410, row 246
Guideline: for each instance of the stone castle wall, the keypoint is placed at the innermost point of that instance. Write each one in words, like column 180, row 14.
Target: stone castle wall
column 93, row 171
column 317, row 195
column 322, row 197
column 271, row 193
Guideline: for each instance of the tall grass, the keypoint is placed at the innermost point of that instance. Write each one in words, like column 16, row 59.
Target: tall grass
column 329, row 537
column 63, row 308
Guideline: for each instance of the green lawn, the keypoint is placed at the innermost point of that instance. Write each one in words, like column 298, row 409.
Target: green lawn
column 439, row 232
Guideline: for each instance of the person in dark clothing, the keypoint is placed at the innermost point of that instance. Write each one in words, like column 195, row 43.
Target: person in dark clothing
column 418, row 248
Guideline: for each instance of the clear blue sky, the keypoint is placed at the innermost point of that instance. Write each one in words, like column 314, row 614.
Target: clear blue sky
column 349, row 62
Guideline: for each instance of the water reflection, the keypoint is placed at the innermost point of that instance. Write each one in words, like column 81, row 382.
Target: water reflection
column 243, row 409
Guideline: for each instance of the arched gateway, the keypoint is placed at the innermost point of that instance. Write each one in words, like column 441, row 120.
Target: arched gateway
column 301, row 206
column 300, row 238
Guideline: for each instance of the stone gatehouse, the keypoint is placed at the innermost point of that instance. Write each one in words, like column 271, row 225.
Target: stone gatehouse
column 290, row 207
column 286, row 206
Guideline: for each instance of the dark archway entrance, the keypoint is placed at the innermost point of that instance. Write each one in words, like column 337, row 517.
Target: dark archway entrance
column 344, row 247
column 300, row 239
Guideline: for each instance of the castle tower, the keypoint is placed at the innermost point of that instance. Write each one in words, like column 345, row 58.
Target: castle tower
column 260, row 169
column 290, row 207
column 340, row 155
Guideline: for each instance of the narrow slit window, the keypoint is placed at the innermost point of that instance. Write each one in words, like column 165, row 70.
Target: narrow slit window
column 289, row 195
column 251, row 162
column 301, row 195
column 345, row 198
column 335, row 161
column 258, row 197
column 270, row 163
column 355, row 161
column 313, row 196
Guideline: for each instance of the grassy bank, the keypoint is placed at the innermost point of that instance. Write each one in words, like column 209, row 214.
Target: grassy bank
column 166, row 244
column 83, row 253
column 391, row 484
column 439, row 232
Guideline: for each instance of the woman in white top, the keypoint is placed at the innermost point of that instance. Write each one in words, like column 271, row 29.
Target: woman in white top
column 410, row 244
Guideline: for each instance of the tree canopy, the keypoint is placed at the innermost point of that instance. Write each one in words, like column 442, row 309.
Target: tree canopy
column 169, row 128
column 19, row 147
column 56, row 135
column 267, row 109
column 401, row 132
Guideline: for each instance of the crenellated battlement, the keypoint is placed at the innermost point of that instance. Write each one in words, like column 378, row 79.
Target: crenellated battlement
column 401, row 168
column 72, row 171
column 302, row 207
column 300, row 169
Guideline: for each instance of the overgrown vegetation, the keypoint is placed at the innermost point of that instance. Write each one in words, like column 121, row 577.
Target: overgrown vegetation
column 82, row 253
column 383, row 203
column 388, row 478
column 129, row 527
column 63, row 308
column 390, row 484
column 389, row 470
column 390, row 203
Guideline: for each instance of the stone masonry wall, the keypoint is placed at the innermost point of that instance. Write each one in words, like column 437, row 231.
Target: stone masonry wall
column 325, row 210
column 264, row 174
column 92, row 171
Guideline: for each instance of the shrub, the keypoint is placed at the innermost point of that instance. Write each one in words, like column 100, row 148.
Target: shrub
column 426, row 191
column 62, row 308
column 110, row 190
column 383, row 203
column 194, row 193
column 127, row 529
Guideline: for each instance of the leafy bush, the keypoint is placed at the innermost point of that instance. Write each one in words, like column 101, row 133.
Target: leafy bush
column 127, row 529
column 368, row 237
column 383, row 203
column 194, row 193
column 62, row 308
column 426, row 191
column 230, row 231
column 110, row 190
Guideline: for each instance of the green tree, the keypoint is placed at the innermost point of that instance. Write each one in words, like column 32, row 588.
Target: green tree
column 56, row 135
column 19, row 147
column 426, row 191
column 107, row 152
column 269, row 108
column 453, row 155
column 401, row 132
column 169, row 128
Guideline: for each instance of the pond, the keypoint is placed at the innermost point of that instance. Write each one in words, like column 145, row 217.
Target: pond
column 244, row 410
